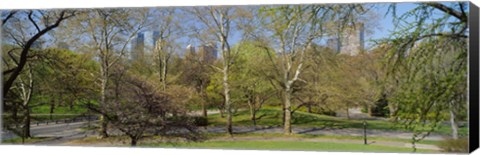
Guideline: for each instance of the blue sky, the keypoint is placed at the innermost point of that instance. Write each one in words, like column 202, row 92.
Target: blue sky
column 385, row 24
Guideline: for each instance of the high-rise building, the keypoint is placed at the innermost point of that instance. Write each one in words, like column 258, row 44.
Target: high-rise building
column 205, row 53
column 351, row 41
column 190, row 49
column 144, row 43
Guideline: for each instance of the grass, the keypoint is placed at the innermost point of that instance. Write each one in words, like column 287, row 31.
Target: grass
column 293, row 145
column 18, row 140
column 320, row 137
column 273, row 117
column 286, row 145
column 268, row 141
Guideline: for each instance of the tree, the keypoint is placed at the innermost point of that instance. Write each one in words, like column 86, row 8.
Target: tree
column 110, row 31
column 250, row 77
column 197, row 73
column 429, row 62
column 17, row 31
column 321, row 69
column 169, row 29
column 294, row 29
column 138, row 108
column 219, row 21
column 34, row 86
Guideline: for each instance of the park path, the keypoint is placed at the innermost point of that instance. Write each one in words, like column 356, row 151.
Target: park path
column 348, row 141
column 321, row 131
column 63, row 133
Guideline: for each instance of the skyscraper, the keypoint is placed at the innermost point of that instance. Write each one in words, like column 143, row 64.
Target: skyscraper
column 350, row 42
column 205, row 53
column 144, row 44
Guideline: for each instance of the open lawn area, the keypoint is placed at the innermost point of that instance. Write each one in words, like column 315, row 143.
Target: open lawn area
column 273, row 117
column 288, row 145
column 251, row 141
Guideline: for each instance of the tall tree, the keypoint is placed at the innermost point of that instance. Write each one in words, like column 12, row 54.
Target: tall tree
column 219, row 21
column 250, row 77
column 23, row 30
column 110, row 31
column 167, row 22
column 294, row 29
column 417, row 50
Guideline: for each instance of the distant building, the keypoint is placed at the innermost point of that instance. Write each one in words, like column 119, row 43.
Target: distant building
column 190, row 49
column 208, row 52
column 63, row 45
column 144, row 43
column 350, row 42
column 205, row 53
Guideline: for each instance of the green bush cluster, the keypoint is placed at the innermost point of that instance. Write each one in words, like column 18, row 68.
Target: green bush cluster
column 454, row 145
column 200, row 121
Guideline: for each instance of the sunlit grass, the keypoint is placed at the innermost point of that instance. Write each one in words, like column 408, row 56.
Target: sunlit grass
column 287, row 145
column 273, row 117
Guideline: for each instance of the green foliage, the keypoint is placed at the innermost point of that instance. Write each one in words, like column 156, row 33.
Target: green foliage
column 200, row 121
column 427, row 61
column 455, row 145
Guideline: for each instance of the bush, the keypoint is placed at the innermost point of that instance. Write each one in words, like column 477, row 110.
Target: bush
column 455, row 145
column 325, row 111
column 200, row 121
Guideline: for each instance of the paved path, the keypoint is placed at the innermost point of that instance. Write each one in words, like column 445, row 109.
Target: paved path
column 63, row 133
column 323, row 131
column 59, row 132
column 350, row 141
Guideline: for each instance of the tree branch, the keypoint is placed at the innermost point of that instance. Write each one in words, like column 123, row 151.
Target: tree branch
column 10, row 15
column 448, row 10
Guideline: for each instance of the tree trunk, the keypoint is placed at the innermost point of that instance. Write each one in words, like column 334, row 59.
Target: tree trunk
column 453, row 123
column 309, row 108
column 103, row 119
column 227, row 100
column 204, row 110
column 283, row 113
column 26, row 125
column 348, row 112
column 254, row 119
column 287, row 112
column 204, row 106
column 369, row 110
column 221, row 112
column 133, row 141
column 164, row 73
column 391, row 109
column 252, row 112
column 52, row 108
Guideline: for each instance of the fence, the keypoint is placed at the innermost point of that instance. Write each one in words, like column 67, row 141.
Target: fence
column 66, row 120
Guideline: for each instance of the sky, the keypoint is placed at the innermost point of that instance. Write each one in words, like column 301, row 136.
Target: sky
column 384, row 29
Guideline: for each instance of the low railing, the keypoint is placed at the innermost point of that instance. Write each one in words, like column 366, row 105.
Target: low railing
column 81, row 118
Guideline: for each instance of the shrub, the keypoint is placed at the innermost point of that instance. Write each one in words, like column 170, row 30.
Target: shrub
column 455, row 145
column 200, row 121
column 327, row 112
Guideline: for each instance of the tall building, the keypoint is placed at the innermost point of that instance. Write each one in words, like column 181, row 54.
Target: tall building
column 143, row 44
column 190, row 49
column 350, row 42
column 208, row 52
column 205, row 53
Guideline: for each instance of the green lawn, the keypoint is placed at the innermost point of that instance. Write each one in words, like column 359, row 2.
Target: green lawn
column 29, row 140
column 320, row 137
column 273, row 117
column 287, row 145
